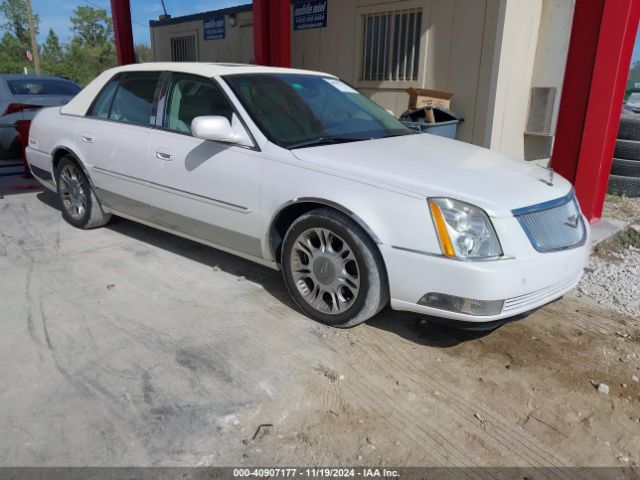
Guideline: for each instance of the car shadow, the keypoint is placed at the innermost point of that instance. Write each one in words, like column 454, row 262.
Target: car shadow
column 424, row 329
column 420, row 329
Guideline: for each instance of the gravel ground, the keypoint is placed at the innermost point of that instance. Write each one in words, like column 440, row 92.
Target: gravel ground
column 612, row 277
column 614, row 283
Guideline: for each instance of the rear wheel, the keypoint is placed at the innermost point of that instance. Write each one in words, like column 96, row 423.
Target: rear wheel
column 333, row 270
column 80, row 206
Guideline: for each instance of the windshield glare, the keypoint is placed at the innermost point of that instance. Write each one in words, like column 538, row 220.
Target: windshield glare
column 295, row 109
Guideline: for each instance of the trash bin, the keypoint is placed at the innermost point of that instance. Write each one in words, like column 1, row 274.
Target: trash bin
column 445, row 125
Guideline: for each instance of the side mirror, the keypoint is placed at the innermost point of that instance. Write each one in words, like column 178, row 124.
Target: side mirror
column 212, row 128
column 219, row 129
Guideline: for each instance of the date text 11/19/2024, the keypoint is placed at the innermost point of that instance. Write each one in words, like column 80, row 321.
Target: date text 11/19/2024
column 316, row 472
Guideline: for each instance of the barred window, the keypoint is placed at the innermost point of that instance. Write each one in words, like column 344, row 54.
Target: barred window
column 183, row 49
column 391, row 45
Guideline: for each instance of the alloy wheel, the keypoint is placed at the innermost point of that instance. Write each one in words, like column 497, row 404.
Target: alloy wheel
column 325, row 271
column 72, row 192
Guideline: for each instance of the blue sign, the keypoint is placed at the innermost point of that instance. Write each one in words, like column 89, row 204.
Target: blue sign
column 310, row 14
column 214, row 28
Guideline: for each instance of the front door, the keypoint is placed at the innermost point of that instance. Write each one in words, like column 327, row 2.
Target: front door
column 205, row 189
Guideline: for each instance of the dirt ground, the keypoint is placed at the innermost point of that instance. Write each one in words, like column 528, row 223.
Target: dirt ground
column 129, row 346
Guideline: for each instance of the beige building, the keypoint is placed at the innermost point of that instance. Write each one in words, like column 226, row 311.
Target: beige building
column 502, row 59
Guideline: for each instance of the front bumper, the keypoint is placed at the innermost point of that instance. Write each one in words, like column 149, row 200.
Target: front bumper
column 524, row 283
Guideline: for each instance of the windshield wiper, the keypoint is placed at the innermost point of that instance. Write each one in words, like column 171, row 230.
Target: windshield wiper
column 324, row 141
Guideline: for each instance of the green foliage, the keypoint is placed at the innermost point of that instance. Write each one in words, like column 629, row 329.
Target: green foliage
column 12, row 54
column 14, row 13
column 53, row 56
column 143, row 53
column 92, row 26
column 90, row 51
column 634, row 75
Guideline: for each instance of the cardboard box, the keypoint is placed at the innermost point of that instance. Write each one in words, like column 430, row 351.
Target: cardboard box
column 422, row 97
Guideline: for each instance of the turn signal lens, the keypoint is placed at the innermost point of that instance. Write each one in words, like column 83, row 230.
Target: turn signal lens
column 441, row 227
column 464, row 231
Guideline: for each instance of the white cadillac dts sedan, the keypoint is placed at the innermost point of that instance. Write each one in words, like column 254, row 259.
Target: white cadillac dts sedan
column 298, row 171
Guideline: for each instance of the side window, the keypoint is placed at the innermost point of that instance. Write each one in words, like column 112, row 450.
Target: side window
column 102, row 103
column 134, row 97
column 191, row 96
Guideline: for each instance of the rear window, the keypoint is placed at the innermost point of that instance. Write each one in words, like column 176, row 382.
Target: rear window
column 42, row 86
column 134, row 97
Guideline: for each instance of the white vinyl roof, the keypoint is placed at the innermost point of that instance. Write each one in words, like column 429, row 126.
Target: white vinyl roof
column 81, row 102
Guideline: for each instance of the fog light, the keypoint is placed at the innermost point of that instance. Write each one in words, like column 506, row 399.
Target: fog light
column 450, row 303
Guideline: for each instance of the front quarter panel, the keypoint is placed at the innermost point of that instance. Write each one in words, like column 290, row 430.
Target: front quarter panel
column 391, row 218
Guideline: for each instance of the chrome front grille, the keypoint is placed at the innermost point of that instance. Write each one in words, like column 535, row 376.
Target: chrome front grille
column 554, row 225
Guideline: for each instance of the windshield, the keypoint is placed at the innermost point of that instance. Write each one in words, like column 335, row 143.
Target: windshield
column 297, row 110
column 42, row 86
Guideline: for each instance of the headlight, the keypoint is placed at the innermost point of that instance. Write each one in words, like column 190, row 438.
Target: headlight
column 464, row 231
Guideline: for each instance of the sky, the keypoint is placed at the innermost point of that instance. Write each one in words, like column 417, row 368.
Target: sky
column 55, row 13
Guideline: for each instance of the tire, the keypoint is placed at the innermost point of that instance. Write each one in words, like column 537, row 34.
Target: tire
column 629, row 127
column 625, row 168
column 74, row 190
column 350, row 265
column 627, row 149
column 627, row 186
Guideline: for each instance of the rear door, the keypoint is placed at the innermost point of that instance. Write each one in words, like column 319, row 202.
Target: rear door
column 208, row 190
column 115, row 138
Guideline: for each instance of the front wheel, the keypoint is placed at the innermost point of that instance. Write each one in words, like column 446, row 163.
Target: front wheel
column 80, row 206
column 333, row 270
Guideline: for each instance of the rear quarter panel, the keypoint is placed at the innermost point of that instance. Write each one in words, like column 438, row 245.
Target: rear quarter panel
column 50, row 131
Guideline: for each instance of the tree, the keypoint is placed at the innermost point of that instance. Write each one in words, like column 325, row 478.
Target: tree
column 14, row 14
column 53, row 55
column 91, row 50
column 92, row 26
column 15, row 41
column 634, row 75
column 12, row 55
column 143, row 53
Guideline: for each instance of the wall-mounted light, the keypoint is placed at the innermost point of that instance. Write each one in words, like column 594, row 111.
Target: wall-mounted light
column 232, row 19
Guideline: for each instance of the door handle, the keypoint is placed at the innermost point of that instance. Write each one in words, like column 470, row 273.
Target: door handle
column 88, row 138
column 164, row 156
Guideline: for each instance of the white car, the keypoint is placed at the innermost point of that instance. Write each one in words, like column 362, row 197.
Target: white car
column 298, row 171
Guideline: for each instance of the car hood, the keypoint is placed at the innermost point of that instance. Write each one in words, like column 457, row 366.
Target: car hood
column 434, row 166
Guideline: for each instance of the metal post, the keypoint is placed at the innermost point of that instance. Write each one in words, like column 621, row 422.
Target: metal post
column 272, row 32
column 32, row 33
column 261, row 31
column 602, row 38
column 121, row 16
column 280, row 33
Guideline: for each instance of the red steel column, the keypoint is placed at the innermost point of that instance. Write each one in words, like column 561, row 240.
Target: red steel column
column 602, row 38
column 121, row 16
column 272, row 32
column 261, row 31
column 280, row 27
